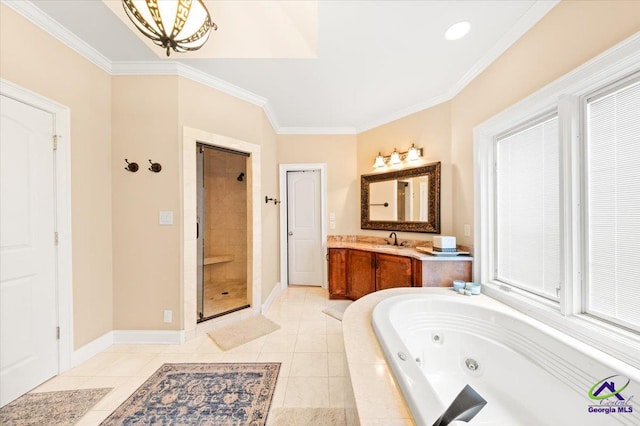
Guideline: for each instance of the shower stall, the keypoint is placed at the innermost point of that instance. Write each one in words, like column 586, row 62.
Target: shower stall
column 222, row 217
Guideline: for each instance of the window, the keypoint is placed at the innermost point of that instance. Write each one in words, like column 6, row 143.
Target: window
column 612, row 126
column 527, row 208
column 557, row 203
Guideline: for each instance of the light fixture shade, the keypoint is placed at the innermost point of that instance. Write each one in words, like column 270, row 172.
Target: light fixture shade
column 395, row 157
column 181, row 25
column 413, row 154
column 379, row 161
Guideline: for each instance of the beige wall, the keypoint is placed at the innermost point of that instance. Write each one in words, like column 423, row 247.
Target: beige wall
column 430, row 130
column 571, row 34
column 146, row 273
column 32, row 59
column 339, row 153
column 270, row 213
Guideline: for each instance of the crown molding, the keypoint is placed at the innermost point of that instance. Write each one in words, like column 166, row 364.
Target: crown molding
column 182, row 70
column 34, row 14
column 28, row 10
column 317, row 131
column 536, row 12
column 405, row 112
column 524, row 24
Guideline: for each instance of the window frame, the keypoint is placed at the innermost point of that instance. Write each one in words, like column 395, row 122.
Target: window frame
column 518, row 128
column 598, row 93
column 568, row 96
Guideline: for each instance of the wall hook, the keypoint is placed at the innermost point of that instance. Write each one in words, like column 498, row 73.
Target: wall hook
column 155, row 167
column 267, row 199
column 131, row 167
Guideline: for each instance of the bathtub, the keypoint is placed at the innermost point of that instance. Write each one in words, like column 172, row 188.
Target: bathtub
column 529, row 373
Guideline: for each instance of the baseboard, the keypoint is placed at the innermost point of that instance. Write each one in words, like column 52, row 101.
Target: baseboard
column 92, row 348
column 272, row 296
column 158, row 337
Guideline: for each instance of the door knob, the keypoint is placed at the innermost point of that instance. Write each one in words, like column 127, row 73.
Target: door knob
column 290, row 233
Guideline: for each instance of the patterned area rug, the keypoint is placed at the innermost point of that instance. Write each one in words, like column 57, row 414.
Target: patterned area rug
column 201, row 394
column 51, row 408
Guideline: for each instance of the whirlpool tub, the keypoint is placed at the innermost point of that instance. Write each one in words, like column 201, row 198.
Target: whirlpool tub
column 528, row 372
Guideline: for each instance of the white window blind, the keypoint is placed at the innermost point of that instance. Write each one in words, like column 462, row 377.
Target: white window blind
column 527, row 209
column 613, row 193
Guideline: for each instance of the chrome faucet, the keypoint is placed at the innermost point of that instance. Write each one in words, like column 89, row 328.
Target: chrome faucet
column 395, row 238
column 464, row 407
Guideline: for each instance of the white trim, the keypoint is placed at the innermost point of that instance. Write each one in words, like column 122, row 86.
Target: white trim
column 190, row 137
column 148, row 337
column 34, row 14
column 317, row 131
column 284, row 168
column 62, row 122
column 92, row 348
column 563, row 94
column 275, row 292
column 42, row 20
column 537, row 11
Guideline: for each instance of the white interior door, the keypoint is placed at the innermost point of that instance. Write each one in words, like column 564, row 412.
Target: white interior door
column 304, row 227
column 28, row 306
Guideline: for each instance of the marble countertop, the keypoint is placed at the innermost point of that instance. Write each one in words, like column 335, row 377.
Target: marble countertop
column 378, row 399
column 395, row 250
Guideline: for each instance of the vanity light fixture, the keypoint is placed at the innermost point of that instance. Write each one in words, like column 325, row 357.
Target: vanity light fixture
column 396, row 158
column 181, row 25
column 413, row 154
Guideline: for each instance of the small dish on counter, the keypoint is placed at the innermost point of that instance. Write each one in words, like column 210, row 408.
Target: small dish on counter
column 441, row 253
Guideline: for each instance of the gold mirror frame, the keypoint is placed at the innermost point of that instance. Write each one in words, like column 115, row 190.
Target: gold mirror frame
column 431, row 226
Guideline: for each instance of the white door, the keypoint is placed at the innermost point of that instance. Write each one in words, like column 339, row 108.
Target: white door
column 304, row 227
column 28, row 306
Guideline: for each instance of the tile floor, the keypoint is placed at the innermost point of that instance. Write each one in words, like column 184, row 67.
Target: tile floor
column 215, row 302
column 309, row 345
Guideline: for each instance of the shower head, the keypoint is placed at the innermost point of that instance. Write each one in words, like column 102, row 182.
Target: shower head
column 240, row 177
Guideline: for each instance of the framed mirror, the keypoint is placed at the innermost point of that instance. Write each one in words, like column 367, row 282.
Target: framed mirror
column 402, row 200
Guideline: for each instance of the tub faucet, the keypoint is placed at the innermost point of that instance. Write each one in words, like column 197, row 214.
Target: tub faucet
column 464, row 407
column 395, row 238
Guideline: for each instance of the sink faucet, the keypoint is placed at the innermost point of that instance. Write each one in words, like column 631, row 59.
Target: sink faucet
column 395, row 238
column 464, row 407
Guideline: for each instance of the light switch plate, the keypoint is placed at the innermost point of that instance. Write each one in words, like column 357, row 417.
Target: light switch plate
column 165, row 218
column 332, row 216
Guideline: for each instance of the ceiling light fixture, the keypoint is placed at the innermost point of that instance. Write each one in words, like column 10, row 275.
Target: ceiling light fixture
column 457, row 31
column 181, row 25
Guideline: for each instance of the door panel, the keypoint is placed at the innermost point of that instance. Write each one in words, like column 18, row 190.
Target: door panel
column 28, row 343
column 304, row 228
column 361, row 276
column 392, row 271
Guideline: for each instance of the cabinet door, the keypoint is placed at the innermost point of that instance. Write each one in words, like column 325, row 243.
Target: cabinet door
column 338, row 273
column 392, row 271
column 361, row 276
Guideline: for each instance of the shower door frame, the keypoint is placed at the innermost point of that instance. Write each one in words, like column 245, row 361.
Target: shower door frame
column 190, row 137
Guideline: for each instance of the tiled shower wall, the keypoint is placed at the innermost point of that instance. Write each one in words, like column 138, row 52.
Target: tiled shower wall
column 225, row 215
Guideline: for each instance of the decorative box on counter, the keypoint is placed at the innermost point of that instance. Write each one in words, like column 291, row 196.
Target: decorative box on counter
column 444, row 244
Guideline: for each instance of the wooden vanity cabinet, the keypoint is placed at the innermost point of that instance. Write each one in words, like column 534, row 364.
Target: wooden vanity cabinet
column 361, row 273
column 356, row 273
column 337, row 259
column 392, row 271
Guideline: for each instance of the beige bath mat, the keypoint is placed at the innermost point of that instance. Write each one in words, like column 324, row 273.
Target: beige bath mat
column 336, row 309
column 242, row 332
column 307, row 417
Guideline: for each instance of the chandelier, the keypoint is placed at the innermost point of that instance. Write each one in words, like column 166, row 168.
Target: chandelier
column 181, row 25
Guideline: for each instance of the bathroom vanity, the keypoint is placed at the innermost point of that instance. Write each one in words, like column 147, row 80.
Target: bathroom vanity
column 357, row 269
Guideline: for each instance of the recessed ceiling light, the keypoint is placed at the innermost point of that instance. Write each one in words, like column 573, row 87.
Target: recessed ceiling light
column 457, row 31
